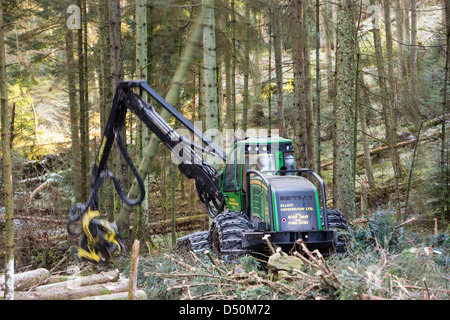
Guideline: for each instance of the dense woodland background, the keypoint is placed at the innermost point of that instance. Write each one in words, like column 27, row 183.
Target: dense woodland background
column 360, row 86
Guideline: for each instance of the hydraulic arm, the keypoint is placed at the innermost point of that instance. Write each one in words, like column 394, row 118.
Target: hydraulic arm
column 99, row 238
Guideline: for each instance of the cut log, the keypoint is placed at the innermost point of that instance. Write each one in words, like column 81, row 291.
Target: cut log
column 140, row 295
column 26, row 280
column 103, row 277
column 75, row 293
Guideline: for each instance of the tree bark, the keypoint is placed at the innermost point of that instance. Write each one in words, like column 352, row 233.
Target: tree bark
column 85, row 111
column 345, row 77
column 274, row 11
column 364, row 131
column 75, row 292
column 78, row 281
column 310, row 122
column 117, row 74
column 246, row 66
column 444, row 201
column 233, row 63
column 228, row 95
column 26, row 280
column 74, row 124
column 84, row 161
column 6, row 168
column 399, row 34
column 300, row 98
column 210, row 72
column 141, row 73
column 395, row 158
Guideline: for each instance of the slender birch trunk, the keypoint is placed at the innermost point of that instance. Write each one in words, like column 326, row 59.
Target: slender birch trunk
column 74, row 124
column 7, row 168
column 209, row 70
column 141, row 73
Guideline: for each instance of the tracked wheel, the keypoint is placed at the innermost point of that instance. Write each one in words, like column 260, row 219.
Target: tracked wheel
column 225, row 235
column 338, row 223
column 197, row 242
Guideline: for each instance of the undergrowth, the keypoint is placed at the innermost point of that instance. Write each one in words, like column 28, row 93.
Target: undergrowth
column 385, row 261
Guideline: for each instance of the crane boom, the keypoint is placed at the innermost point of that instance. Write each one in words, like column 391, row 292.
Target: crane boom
column 190, row 163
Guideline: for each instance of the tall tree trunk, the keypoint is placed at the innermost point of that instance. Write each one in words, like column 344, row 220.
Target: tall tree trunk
column 258, row 104
column 300, row 98
column 345, row 77
column 275, row 7
column 399, row 33
column 85, row 83
column 74, row 124
column 141, row 73
column 316, row 141
column 444, row 201
column 246, row 65
column 364, row 133
column 7, row 168
column 269, row 98
column 233, row 62
column 407, row 33
column 210, row 73
column 330, row 35
column 395, row 158
column 83, row 129
column 416, row 107
column 106, row 92
column 117, row 74
column 187, row 56
column 228, row 94
column 308, row 17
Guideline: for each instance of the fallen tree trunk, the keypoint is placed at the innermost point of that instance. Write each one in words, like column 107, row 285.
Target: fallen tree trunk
column 400, row 144
column 74, row 293
column 77, row 281
column 165, row 226
column 373, row 151
column 25, row 280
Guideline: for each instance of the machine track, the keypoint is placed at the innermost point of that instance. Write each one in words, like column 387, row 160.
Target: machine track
column 197, row 242
column 338, row 223
column 225, row 237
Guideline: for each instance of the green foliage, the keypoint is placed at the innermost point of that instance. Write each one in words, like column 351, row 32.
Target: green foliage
column 25, row 119
column 382, row 230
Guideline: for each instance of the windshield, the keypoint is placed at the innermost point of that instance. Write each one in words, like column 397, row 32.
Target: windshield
column 261, row 162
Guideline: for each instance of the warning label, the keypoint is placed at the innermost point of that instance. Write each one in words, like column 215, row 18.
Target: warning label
column 297, row 214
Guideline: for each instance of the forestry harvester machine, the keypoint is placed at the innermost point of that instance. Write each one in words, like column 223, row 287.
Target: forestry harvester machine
column 259, row 192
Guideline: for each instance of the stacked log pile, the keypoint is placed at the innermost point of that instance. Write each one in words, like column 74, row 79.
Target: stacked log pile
column 39, row 284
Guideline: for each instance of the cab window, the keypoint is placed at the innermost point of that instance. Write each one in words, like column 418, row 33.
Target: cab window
column 260, row 162
column 230, row 172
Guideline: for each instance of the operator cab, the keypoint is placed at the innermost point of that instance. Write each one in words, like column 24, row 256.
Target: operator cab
column 266, row 155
